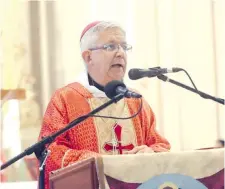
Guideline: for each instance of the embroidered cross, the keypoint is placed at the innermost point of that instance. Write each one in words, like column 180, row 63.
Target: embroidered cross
column 116, row 144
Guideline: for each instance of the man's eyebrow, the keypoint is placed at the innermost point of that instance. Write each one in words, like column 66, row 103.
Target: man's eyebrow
column 113, row 41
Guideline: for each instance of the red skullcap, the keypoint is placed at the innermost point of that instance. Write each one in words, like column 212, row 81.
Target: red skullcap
column 89, row 26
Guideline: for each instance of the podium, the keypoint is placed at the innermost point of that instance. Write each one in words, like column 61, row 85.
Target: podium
column 200, row 169
column 76, row 176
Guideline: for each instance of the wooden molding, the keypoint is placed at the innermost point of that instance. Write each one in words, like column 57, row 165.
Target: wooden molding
column 8, row 94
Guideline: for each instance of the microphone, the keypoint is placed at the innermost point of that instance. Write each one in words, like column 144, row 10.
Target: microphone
column 115, row 87
column 136, row 73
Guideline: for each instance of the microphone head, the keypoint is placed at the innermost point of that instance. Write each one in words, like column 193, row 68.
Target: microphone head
column 134, row 74
column 110, row 88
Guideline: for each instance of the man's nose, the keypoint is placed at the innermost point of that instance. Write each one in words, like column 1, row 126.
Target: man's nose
column 120, row 51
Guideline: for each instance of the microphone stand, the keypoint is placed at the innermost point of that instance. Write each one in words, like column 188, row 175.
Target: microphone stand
column 40, row 149
column 202, row 94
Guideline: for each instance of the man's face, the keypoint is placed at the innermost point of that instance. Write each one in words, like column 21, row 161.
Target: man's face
column 105, row 65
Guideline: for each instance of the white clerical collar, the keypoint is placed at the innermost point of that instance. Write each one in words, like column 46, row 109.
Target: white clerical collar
column 83, row 80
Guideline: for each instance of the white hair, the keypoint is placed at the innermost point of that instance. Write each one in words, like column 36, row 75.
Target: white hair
column 91, row 36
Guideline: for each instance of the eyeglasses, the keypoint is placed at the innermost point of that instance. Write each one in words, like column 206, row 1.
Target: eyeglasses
column 113, row 47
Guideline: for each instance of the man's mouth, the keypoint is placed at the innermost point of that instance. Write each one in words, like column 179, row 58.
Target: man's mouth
column 117, row 65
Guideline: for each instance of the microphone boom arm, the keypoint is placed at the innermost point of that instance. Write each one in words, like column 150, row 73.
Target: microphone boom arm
column 202, row 94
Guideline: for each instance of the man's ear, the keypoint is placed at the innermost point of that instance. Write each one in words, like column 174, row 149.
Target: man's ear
column 86, row 55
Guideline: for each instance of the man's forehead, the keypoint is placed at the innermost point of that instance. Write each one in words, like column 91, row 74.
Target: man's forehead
column 112, row 35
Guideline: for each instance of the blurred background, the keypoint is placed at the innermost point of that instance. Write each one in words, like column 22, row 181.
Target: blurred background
column 39, row 52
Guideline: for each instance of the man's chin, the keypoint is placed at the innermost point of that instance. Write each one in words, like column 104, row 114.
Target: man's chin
column 117, row 75
column 118, row 78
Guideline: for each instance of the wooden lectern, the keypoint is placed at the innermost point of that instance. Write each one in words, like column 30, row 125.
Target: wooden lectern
column 8, row 94
column 80, row 175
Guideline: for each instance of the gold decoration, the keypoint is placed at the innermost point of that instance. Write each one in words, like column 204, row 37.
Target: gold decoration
column 167, row 185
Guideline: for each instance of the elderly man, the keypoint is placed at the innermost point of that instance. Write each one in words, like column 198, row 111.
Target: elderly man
column 104, row 51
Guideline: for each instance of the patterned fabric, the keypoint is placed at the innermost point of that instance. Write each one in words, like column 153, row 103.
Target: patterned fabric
column 113, row 135
column 191, row 169
column 88, row 139
column 215, row 181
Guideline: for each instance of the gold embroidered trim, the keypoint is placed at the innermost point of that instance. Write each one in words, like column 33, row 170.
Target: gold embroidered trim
column 64, row 157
